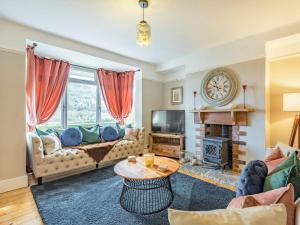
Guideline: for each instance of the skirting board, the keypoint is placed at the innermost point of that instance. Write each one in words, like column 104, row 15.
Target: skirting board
column 13, row 183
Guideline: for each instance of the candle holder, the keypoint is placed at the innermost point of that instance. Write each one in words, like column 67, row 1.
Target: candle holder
column 244, row 89
column 149, row 159
column 195, row 93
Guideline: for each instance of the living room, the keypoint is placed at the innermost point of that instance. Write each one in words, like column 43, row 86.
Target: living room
column 149, row 112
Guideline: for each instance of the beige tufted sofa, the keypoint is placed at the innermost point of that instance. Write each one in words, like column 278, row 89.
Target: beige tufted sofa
column 68, row 159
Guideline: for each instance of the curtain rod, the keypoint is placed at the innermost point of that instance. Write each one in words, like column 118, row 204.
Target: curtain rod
column 85, row 67
column 91, row 68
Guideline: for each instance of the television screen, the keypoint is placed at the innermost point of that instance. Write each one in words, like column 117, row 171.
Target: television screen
column 168, row 121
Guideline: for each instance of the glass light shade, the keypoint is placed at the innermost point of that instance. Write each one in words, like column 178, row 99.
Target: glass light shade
column 291, row 102
column 143, row 33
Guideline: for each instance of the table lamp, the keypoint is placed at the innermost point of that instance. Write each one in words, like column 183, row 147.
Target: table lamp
column 291, row 103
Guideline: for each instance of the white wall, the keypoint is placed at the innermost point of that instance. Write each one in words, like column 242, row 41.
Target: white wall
column 153, row 96
column 251, row 73
column 12, row 121
column 284, row 78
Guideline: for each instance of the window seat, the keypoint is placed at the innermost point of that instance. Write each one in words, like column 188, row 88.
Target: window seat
column 68, row 159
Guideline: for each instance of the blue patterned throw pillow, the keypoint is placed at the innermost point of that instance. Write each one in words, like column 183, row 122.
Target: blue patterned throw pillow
column 109, row 133
column 71, row 137
column 252, row 178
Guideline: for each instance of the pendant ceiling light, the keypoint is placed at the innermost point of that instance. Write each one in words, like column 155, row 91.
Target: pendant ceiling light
column 143, row 29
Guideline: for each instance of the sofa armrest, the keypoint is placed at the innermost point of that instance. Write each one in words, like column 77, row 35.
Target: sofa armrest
column 141, row 136
column 35, row 147
column 297, row 212
column 268, row 151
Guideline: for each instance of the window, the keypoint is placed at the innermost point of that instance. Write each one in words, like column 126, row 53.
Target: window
column 105, row 116
column 82, row 104
column 54, row 121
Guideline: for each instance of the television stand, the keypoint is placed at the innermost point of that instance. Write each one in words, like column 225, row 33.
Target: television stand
column 165, row 144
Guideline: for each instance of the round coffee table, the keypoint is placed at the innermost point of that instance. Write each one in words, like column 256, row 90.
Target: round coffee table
column 146, row 190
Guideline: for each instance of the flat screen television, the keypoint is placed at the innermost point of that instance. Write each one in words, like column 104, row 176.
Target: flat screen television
column 168, row 121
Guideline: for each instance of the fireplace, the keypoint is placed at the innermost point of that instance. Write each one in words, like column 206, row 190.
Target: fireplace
column 222, row 123
column 217, row 145
column 216, row 151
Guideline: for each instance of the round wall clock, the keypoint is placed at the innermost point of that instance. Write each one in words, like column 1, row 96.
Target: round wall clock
column 219, row 87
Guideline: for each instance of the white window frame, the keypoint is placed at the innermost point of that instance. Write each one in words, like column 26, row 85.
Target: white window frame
column 64, row 102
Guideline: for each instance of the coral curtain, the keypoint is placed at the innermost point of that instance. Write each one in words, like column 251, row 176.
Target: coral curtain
column 45, row 85
column 117, row 91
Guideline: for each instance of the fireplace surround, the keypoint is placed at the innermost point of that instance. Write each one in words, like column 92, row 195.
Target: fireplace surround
column 224, row 123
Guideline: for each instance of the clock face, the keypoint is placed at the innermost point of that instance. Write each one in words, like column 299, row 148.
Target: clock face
column 219, row 87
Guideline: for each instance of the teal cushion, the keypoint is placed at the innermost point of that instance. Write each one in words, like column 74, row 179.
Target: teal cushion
column 121, row 130
column 278, row 179
column 39, row 132
column 291, row 161
column 91, row 135
column 285, row 173
column 53, row 131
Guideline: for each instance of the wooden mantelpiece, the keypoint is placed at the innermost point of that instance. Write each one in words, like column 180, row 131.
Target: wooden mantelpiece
column 222, row 116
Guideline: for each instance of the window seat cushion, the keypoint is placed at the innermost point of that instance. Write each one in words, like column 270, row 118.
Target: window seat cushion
column 71, row 137
column 109, row 133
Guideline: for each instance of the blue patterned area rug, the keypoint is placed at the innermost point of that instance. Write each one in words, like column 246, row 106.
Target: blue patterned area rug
column 93, row 198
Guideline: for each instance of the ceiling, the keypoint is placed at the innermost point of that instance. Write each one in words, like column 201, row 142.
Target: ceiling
column 179, row 27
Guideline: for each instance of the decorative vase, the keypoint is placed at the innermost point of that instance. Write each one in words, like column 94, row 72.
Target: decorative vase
column 149, row 159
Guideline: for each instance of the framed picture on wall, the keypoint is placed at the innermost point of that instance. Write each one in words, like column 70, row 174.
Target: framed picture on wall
column 177, row 95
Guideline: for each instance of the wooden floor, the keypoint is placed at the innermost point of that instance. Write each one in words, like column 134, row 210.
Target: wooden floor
column 18, row 207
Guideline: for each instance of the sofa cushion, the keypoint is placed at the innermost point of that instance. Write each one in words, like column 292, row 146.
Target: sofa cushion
column 275, row 154
column 274, row 163
column 51, row 143
column 284, row 173
column 39, row 132
column 90, row 136
column 252, row 178
column 131, row 133
column 284, row 195
column 71, row 137
column 109, row 133
column 121, row 130
column 297, row 212
column 286, row 149
column 260, row 215
column 274, row 159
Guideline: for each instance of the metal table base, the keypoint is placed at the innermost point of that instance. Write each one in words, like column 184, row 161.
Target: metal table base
column 146, row 197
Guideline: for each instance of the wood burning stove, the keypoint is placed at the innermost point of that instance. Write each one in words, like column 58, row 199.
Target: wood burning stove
column 217, row 151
